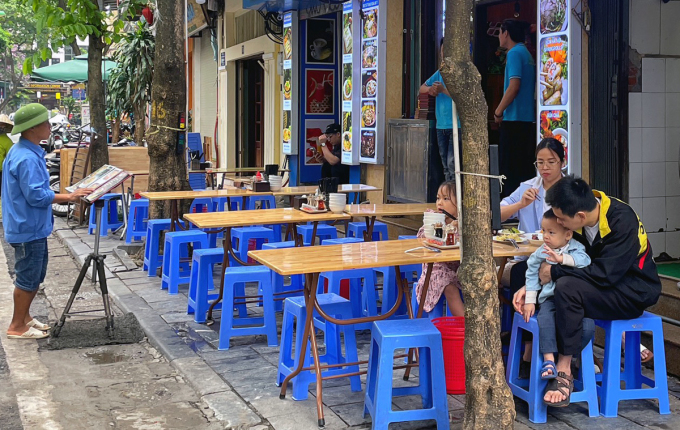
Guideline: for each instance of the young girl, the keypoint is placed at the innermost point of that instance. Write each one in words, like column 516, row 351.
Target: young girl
column 443, row 279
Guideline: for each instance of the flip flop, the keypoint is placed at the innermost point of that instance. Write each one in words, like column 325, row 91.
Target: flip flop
column 31, row 333
column 650, row 354
column 38, row 325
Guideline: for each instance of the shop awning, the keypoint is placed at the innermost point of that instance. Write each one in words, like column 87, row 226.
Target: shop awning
column 284, row 5
column 70, row 71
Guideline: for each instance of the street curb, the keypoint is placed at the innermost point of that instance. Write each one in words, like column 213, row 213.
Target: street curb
column 201, row 377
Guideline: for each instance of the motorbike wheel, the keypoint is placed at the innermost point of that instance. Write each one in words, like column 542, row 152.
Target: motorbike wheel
column 60, row 210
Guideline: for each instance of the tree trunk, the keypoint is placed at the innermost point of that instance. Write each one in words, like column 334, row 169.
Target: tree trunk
column 140, row 123
column 488, row 403
column 167, row 169
column 115, row 128
column 99, row 150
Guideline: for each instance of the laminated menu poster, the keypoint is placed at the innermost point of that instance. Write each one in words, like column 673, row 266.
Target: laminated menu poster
column 102, row 181
column 348, row 153
column 372, row 99
column 288, row 86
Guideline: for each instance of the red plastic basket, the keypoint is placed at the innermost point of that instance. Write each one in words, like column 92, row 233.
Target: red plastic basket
column 453, row 339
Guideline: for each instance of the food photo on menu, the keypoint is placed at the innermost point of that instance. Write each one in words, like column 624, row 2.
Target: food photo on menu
column 555, row 123
column 369, row 54
column 287, row 83
column 367, row 114
column 553, row 82
column 369, row 86
column 320, row 40
column 347, row 131
column 370, row 24
column 347, row 33
column 368, row 143
column 347, row 82
column 286, row 126
column 553, row 15
column 287, row 43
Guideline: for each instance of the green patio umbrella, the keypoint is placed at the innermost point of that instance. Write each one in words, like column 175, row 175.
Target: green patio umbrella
column 71, row 71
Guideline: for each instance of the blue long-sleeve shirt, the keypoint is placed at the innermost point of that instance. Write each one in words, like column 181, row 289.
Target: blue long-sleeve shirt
column 26, row 194
column 574, row 255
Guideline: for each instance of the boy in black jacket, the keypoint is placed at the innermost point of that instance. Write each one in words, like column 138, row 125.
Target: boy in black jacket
column 620, row 283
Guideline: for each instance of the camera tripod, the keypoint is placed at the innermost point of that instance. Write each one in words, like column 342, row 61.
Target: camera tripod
column 97, row 262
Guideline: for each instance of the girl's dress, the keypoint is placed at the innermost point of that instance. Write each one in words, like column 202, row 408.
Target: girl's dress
column 443, row 274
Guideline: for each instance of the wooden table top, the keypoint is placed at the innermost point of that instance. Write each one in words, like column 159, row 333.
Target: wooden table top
column 365, row 255
column 311, row 189
column 236, row 170
column 259, row 217
column 138, row 172
column 179, row 195
column 389, row 209
column 355, row 188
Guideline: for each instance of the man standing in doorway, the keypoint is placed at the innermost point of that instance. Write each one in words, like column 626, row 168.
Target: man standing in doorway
column 444, row 115
column 27, row 215
column 329, row 143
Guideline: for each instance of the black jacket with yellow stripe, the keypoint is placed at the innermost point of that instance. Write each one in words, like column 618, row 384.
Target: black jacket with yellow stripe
column 621, row 255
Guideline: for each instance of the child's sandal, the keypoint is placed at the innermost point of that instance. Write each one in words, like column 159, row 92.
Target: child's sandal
column 548, row 366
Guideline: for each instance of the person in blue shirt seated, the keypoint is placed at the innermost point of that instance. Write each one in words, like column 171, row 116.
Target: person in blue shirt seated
column 27, row 215
column 444, row 115
column 516, row 113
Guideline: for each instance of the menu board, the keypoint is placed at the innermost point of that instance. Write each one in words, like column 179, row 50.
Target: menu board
column 288, row 86
column 553, row 71
column 349, row 152
column 372, row 96
column 100, row 181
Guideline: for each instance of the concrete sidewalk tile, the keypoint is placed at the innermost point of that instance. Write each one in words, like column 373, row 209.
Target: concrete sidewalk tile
column 352, row 413
column 231, row 410
column 171, row 304
column 244, row 378
column 302, row 415
column 238, row 368
column 204, row 380
column 334, row 396
column 133, row 274
column 259, row 390
column 176, row 317
column 238, row 351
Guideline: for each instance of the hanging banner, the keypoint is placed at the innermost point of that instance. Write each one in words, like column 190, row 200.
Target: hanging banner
column 372, row 96
column 289, row 87
column 196, row 20
column 553, row 72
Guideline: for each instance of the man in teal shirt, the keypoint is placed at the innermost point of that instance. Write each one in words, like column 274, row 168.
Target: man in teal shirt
column 516, row 113
column 444, row 114
column 27, row 215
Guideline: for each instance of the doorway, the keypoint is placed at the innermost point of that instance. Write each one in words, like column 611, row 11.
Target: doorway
column 250, row 113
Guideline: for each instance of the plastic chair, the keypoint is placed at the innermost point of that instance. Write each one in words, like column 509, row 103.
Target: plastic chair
column 245, row 326
column 357, row 229
column 363, row 297
column 388, row 336
column 201, row 205
column 243, row 235
column 342, row 240
column 411, row 273
column 175, row 271
column 407, row 237
column 201, row 282
column 296, row 281
column 323, row 233
column 220, row 203
column 152, row 260
column 295, row 309
column 137, row 220
column 532, row 390
column 109, row 215
column 610, row 391
column 266, row 202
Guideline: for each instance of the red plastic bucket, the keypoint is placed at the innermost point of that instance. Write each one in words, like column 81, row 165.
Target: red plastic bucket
column 453, row 339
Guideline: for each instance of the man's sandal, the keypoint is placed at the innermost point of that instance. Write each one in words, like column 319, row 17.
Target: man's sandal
column 548, row 366
column 565, row 385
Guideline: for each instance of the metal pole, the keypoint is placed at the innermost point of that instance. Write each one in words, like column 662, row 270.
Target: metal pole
column 97, row 229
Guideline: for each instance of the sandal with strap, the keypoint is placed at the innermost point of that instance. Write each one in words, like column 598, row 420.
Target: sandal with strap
column 565, row 385
column 548, row 366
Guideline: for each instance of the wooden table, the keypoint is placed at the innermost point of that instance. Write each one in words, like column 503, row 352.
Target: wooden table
column 363, row 255
column 236, row 170
column 225, row 221
column 291, row 192
column 370, row 212
column 175, row 196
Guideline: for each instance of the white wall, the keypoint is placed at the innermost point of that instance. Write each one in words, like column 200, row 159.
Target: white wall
column 654, row 122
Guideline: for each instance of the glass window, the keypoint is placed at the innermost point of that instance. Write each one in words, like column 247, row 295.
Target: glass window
column 68, row 53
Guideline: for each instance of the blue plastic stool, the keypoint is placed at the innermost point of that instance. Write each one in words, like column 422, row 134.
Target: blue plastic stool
column 363, row 298
column 201, row 281
column 232, row 327
column 266, row 202
column 407, row 237
column 295, row 308
column 152, row 260
column 440, row 309
column 220, row 203
column 323, row 233
column 296, row 281
column 176, row 272
column 201, row 205
column 411, row 273
column 137, row 220
column 387, row 336
column 610, row 391
column 532, row 390
column 342, row 241
column 243, row 235
column 357, row 229
column 507, row 311
column 109, row 215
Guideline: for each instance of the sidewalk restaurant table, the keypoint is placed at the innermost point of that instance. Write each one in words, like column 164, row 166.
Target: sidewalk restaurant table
column 236, row 170
column 365, row 255
column 225, row 221
column 291, row 192
column 175, row 196
column 371, row 212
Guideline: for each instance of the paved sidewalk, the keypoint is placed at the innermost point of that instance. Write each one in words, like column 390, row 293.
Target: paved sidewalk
column 238, row 384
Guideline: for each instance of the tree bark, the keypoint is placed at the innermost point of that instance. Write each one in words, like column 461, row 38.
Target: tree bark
column 140, row 122
column 167, row 170
column 488, row 402
column 115, row 128
column 99, row 150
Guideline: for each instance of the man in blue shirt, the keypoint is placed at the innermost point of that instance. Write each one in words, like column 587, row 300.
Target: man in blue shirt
column 516, row 113
column 444, row 114
column 27, row 215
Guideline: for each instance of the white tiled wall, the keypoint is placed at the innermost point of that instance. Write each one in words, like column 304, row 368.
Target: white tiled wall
column 654, row 121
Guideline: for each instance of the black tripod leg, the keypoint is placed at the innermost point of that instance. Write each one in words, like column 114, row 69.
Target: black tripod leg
column 99, row 262
column 74, row 293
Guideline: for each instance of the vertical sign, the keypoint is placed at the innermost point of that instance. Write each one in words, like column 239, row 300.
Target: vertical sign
column 553, row 72
column 372, row 96
column 288, row 86
column 349, row 149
